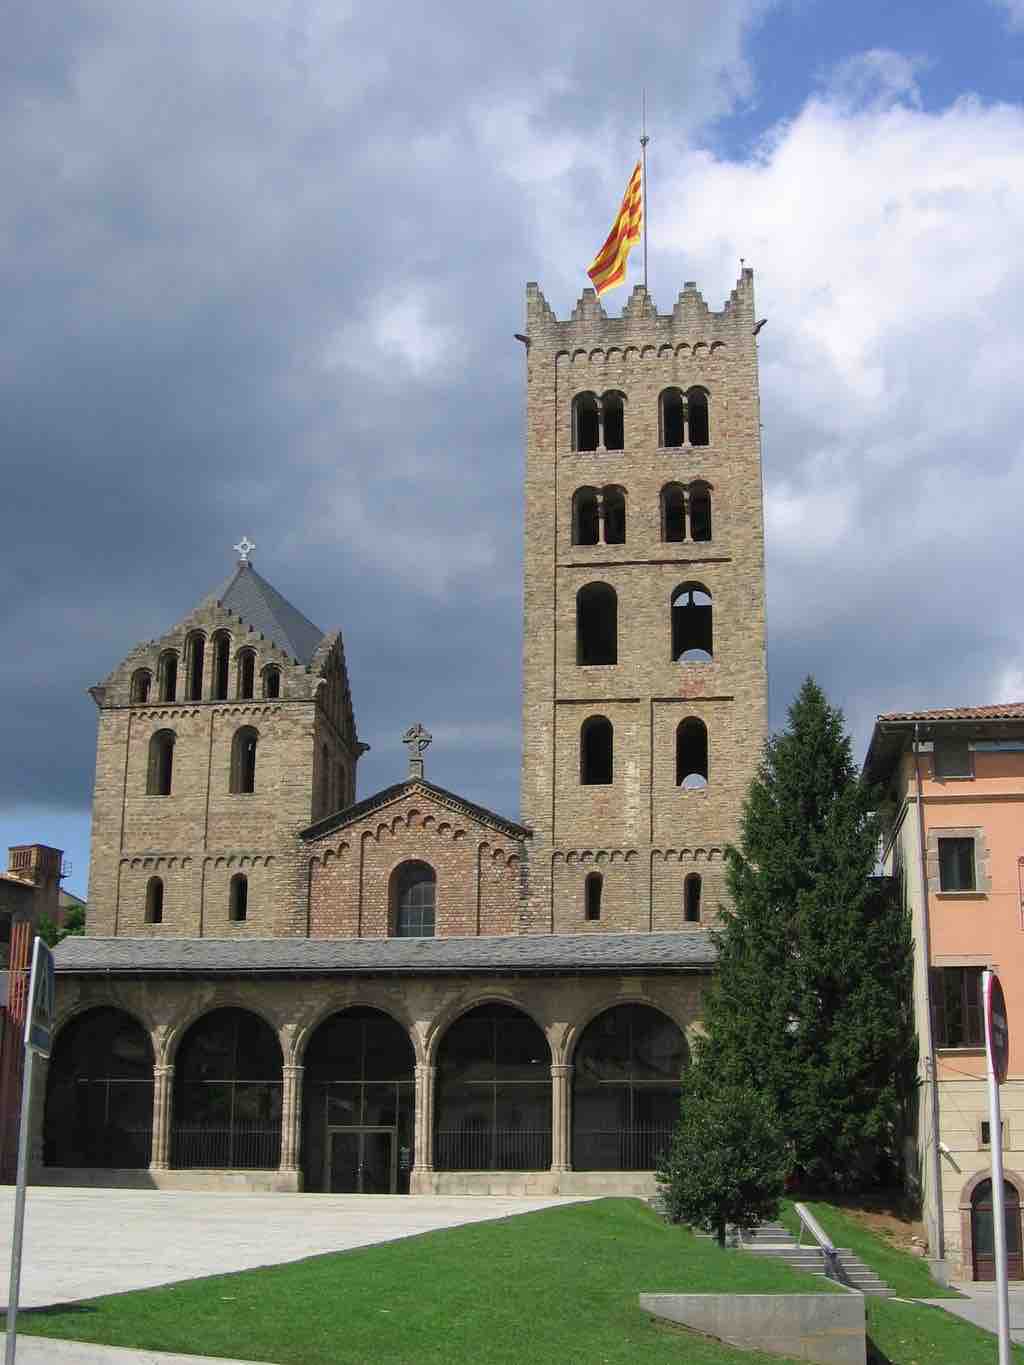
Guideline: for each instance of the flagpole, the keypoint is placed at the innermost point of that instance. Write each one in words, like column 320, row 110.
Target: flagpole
column 644, row 139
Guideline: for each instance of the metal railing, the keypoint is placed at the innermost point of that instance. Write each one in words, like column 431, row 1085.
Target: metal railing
column 619, row 1149
column 829, row 1255
column 242, row 1146
column 492, row 1149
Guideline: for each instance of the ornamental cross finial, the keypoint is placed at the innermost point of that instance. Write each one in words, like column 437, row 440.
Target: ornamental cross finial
column 245, row 548
column 416, row 739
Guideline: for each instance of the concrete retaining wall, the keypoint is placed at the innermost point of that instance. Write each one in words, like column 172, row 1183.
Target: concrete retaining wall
column 247, row 1182
column 828, row 1328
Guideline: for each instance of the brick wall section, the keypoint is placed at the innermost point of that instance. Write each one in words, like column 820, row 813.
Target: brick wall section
column 202, row 834
column 643, row 832
column 477, row 869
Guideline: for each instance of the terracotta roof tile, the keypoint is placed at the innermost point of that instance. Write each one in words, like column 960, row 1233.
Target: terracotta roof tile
column 1010, row 710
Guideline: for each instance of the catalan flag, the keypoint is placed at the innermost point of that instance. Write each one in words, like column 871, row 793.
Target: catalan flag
column 608, row 268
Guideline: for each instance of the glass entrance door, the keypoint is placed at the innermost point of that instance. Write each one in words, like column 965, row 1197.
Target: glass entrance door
column 361, row 1161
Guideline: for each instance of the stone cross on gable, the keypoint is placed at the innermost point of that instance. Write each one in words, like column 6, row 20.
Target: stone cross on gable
column 416, row 740
column 245, row 548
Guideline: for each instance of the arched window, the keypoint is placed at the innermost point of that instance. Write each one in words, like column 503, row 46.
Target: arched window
column 167, row 675
column 99, row 1093
column 359, row 1073
column 625, row 1099
column 414, row 900
column 596, row 624
column 160, row 770
column 692, row 754
column 243, row 760
column 271, row 683
column 613, row 421
column 697, row 421
column 141, row 682
column 700, row 511
column 691, row 899
column 596, row 742
column 221, row 664
column 673, row 513
column 691, row 624
column 493, row 1093
column 227, row 1094
column 592, row 889
column 195, row 651
column 585, row 522
column 155, row 901
column 246, row 674
column 585, row 422
column 238, row 898
column 614, row 499
column 672, row 419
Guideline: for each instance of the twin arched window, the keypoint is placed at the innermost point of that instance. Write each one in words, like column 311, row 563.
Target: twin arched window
column 596, row 752
column 599, row 516
column 160, row 768
column 682, row 504
column 413, row 900
column 195, row 650
column 683, row 418
column 598, row 423
column 596, row 624
column 692, row 636
column 243, row 760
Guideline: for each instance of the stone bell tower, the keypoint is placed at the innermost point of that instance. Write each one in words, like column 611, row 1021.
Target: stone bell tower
column 644, row 679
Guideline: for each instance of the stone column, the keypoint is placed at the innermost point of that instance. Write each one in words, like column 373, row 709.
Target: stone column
column 291, row 1117
column 600, row 518
column 423, row 1137
column 561, row 1114
column 163, row 1100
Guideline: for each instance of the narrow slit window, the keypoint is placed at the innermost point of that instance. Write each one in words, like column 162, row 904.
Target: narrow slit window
column 596, row 624
column 692, row 754
column 592, row 895
column 614, row 516
column 691, row 899
column 141, row 682
column 246, row 674
column 238, row 899
column 585, row 422
column 585, row 520
column 697, row 417
column 160, row 774
column 673, row 419
column 195, row 653
column 243, row 760
column 700, row 511
column 155, row 901
column 613, row 421
column 272, row 683
column 596, row 746
column 673, row 513
column 221, row 664
column 168, row 676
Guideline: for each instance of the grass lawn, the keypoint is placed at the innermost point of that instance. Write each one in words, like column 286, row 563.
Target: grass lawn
column 555, row 1286
column 905, row 1274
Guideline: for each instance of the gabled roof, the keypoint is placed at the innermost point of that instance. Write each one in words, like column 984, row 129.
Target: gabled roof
column 260, row 605
column 1010, row 710
column 894, row 728
column 537, row 953
column 351, row 814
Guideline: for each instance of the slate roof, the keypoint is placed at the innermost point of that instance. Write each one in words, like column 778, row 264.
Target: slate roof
column 260, row 605
column 533, row 953
column 386, row 795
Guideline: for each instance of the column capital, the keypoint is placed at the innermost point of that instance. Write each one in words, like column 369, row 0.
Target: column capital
column 562, row 1069
column 163, row 1069
column 425, row 1070
column 293, row 1069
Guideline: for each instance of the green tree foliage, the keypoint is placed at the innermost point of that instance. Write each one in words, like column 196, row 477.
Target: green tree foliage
column 728, row 1161
column 74, row 923
column 812, row 1000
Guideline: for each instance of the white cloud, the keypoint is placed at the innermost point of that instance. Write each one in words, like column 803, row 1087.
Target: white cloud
column 407, row 327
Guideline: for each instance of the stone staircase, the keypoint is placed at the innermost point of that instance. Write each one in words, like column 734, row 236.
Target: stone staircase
column 772, row 1239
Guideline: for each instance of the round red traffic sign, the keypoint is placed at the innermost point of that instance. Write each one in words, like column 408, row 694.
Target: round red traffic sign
column 997, row 1028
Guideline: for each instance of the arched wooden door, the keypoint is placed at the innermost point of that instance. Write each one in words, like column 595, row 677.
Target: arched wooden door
column 983, row 1232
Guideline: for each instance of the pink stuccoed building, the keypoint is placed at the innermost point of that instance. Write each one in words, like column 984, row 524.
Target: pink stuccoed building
column 954, row 836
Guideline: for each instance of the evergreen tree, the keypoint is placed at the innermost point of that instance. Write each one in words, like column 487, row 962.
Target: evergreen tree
column 812, row 1000
column 727, row 1161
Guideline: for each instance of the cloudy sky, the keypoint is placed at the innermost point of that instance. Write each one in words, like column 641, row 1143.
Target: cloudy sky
column 261, row 265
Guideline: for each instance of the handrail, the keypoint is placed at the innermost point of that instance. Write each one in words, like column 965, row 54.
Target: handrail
column 833, row 1268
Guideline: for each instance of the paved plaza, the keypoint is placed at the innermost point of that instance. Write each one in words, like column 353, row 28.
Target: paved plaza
column 81, row 1243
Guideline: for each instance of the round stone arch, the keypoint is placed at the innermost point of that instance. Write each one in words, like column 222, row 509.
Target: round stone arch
column 108, row 999
column 452, row 1013
column 177, row 1029
column 573, row 1032
column 966, row 1198
column 308, row 1025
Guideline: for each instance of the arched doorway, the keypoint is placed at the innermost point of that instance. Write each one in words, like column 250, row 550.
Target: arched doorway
column 983, row 1232
column 493, row 1093
column 227, row 1094
column 99, row 1093
column 358, row 1105
column 626, row 1089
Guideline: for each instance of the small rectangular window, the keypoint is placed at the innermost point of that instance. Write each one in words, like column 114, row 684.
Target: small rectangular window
column 952, row 758
column 956, row 1007
column 956, row 865
column 986, row 1132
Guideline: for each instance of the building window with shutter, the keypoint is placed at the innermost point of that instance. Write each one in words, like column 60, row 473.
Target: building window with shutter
column 956, row 1007
column 956, row 864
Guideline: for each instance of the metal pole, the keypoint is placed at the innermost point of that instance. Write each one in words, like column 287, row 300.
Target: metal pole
column 998, row 1194
column 644, row 139
column 19, row 1208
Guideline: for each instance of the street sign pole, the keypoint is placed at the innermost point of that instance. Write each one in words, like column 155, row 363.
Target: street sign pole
column 39, row 1015
column 996, row 1057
